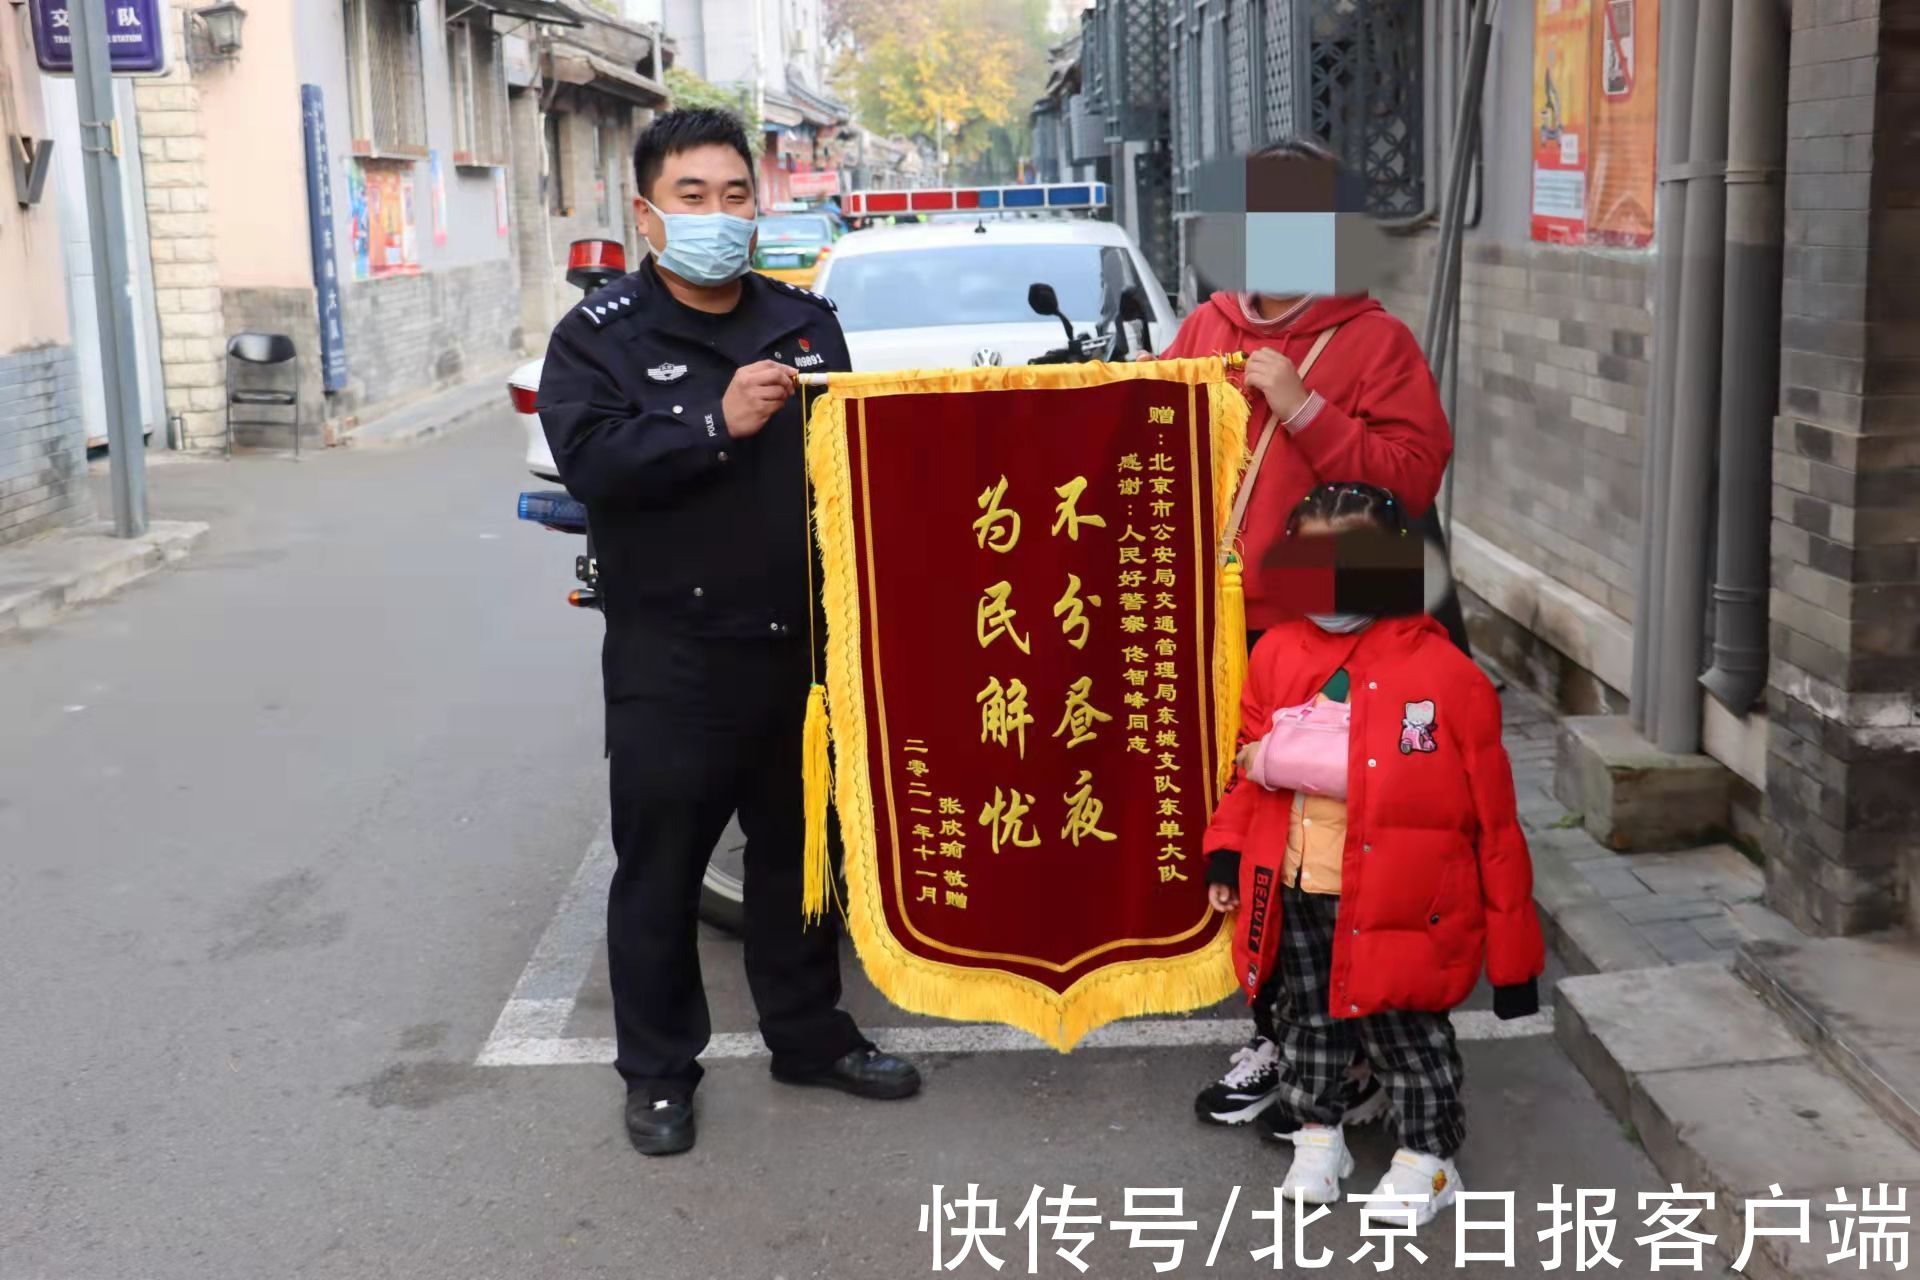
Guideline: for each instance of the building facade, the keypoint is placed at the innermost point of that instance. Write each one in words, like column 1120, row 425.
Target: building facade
column 577, row 101
column 43, row 436
column 431, row 161
column 775, row 52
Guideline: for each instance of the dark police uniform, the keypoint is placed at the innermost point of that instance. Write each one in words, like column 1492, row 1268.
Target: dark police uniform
column 702, row 545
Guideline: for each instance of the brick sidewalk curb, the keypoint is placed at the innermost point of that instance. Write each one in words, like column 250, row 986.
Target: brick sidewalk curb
column 1725, row 1098
column 437, row 415
column 111, row 564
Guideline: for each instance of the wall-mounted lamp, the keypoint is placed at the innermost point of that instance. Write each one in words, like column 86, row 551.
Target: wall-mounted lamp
column 214, row 34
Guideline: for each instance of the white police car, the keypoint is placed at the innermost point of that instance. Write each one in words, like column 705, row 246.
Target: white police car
column 954, row 292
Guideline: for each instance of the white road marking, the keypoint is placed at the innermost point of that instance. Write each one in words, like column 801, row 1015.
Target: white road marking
column 544, row 997
column 534, row 1050
column 531, row 1029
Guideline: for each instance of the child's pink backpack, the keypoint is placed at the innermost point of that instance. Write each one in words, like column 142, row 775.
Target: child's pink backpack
column 1305, row 750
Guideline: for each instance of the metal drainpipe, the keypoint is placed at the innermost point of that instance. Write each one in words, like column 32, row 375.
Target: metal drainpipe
column 1679, row 24
column 1444, row 292
column 1756, row 216
column 1696, row 393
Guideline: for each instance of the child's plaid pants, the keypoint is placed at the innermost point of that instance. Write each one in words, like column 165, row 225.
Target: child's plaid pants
column 1413, row 1054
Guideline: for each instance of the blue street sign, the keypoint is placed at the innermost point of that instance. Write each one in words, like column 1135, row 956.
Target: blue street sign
column 136, row 36
column 326, row 276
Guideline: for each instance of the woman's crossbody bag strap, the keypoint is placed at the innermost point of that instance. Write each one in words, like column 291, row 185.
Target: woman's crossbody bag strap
column 1245, row 492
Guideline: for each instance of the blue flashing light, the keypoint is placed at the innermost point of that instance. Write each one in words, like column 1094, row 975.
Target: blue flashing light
column 555, row 509
column 1026, row 197
column 990, row 197
column 1058, row 197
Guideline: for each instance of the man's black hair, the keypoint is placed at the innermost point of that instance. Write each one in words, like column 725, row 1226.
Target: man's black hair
column 675, row 131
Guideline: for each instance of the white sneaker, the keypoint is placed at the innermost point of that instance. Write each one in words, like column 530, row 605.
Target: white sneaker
column 1320, row 1160
column 1411, row 1176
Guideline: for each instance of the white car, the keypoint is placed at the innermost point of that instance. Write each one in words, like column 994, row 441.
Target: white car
column 523, row 386
column 951, row 294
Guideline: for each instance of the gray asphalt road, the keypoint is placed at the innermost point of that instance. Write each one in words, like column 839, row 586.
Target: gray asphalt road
column 281, row 830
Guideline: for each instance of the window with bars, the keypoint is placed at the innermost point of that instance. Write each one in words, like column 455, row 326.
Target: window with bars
column 477, row 79
column 389, row 104
column 1348, row 72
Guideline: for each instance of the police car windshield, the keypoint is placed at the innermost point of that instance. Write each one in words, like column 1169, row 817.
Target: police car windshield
column 801, row 229
column 976, row 284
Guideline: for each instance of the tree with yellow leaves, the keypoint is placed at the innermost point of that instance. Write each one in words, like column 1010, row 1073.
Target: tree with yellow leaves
column 952, row 70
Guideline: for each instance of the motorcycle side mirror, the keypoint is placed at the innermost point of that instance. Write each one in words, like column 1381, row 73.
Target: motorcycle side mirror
column 1045, row 302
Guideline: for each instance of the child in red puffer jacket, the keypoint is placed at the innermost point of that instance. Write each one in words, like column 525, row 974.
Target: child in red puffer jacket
column 1371, row 847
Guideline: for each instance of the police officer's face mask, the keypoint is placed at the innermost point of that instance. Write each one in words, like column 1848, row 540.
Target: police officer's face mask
column 704, row 248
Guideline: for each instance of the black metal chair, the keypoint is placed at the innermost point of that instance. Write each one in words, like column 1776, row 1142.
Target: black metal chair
column 263, row 350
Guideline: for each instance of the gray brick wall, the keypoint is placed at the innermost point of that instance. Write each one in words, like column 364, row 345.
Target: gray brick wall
column 1843, row 824
column 543, row 234
column 412, row 334
column 43, row 446
column 583, row 114
column 1554, row 363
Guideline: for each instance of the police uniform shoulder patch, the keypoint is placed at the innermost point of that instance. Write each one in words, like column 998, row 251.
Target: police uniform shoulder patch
column 817, row 299
column 608, row 304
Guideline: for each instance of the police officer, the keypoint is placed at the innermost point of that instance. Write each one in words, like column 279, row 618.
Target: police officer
column 668, row 398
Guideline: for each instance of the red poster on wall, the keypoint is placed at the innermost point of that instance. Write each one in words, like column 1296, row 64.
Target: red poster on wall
column 1561, row 42
column 1595, row 103
column 1620, row 180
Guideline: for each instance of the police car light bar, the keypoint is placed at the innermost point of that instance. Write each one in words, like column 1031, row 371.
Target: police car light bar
column 1032, row 198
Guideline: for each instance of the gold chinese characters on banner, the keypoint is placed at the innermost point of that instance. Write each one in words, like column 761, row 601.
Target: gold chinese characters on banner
column 1025, row 669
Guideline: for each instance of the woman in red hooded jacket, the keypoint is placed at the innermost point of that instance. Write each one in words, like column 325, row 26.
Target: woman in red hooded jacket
column 1364, row 409
column 1370, row 848
column 1367, row 410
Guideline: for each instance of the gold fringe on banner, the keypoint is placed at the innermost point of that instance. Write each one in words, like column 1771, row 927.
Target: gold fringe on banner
column 1228, row 412
column 913, row 982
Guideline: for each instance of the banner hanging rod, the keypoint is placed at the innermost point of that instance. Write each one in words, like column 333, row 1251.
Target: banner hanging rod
column 1233, row 360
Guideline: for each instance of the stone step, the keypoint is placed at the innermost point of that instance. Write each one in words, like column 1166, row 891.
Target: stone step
column 1856, row 1003
column 1726, row 1098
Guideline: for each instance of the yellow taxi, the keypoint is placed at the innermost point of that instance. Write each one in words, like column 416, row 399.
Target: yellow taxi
column 793, row 246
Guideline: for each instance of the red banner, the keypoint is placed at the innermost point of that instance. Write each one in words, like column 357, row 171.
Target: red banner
column 1021, row 590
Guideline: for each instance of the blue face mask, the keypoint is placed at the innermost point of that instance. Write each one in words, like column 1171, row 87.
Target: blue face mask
column 1340, row 624
column 707, row 249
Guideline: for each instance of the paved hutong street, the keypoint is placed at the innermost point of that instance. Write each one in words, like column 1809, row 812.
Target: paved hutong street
column 301, row 922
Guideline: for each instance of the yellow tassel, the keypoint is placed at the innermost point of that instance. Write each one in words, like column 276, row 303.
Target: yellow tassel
column 1231, row 676
column 817, row 784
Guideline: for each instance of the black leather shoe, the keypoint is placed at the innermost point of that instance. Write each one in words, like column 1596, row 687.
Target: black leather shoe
column 864, row 1073
column 662, row 1127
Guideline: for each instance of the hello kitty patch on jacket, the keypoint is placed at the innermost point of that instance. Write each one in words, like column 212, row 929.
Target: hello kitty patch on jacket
column 1416, row 728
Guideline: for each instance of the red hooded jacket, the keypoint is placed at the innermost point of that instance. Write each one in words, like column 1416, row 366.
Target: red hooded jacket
column 1382, row 423
column 1435, row 879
